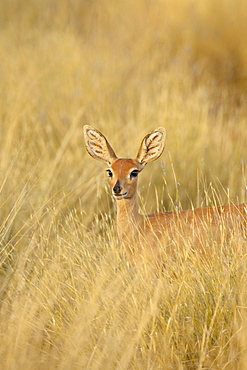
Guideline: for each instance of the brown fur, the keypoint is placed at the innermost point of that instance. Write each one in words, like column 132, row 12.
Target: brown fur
column 142, row 235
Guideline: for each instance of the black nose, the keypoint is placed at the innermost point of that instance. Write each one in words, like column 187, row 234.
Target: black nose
column 117, row 188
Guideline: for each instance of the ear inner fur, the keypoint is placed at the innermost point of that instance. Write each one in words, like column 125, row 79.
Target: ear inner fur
column 98, row 146
column 152, row 146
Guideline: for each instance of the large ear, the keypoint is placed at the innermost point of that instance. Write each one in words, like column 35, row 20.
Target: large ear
column 97, row 145
column 152, row 146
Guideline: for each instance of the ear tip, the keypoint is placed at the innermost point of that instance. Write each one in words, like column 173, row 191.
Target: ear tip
column 87, row 127
column 161, row 129
column 86, row 130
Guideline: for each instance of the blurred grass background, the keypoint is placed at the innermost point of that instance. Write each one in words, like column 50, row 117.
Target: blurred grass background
column 68, row 298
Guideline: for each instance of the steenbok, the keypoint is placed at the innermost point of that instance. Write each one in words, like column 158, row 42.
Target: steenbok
column 144, row 235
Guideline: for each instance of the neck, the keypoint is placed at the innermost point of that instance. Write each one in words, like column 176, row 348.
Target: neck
column 129, row 219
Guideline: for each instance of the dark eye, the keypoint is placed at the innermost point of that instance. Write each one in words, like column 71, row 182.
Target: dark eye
column 110, row 174
column 134, row 173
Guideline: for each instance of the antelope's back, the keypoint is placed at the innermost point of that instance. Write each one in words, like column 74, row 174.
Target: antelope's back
column 200, row 220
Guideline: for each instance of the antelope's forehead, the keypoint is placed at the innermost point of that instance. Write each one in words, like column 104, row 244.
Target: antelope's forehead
column 124, row 166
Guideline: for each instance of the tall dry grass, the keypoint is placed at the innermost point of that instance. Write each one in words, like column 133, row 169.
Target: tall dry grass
column 68, row 297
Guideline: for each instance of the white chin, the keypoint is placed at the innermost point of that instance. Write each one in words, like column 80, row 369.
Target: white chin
column 122, row 196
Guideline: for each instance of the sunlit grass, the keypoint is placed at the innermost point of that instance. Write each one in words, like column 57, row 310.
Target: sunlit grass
column 69, row 298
